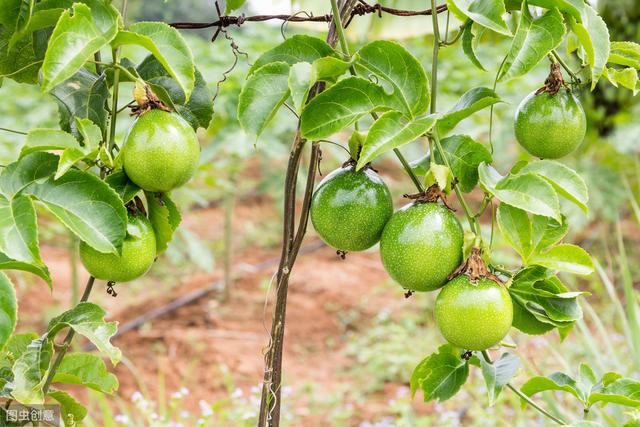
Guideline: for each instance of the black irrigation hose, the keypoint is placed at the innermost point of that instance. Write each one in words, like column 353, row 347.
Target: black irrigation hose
column 197, row 294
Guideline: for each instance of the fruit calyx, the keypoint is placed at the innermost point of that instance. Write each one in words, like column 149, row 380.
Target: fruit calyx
column 352, row 163
column 475, row 268
column 430, row 195
column 554, row 81
column 136, row 207
column 146, row 99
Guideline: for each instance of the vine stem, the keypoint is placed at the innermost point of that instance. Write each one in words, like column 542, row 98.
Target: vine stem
column 115, row 54
column 270, row 402
column 526, row 398
column 19, row 132
column 67, row 341
column 471, row 218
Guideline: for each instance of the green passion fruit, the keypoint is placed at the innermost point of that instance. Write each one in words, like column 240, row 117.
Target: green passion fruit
column 350, row 208
column 549, row 125
column 473, row 315
column 161, row 151
column 421, row 246
column 138, row 254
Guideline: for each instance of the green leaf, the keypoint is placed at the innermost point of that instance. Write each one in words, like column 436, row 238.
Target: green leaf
column 298, row 48
column 626, row 77
column 565, row 257
column 46, row 140
column 35, row 167
column 516, row 228
column 37, row 20
column 498, row 374
column 302, row 77
column 439, row 175
column 555, row 382
column 165, row 219
column 487, row 13
column 470, row 42
column 262, row 95
column 167, row 46
column 7, row 263
column 91, row 133
column 624, row 391
column 233, row 5
column 88, row 319
column 565, row 180
column 391, row 62
column 19, row 230
column 88, row 370
column 441, row 374
column 71, row 410
column 471, row 101
column 83, row 95
column 300, row 83
column 341, row 105
column 421, row 165
column 594, row 36
column 87, row 206
column 22, row 62
column 76, row 37
column 14, row 348
column 583, row 423
column 541, row 299
column 328, row 68
column 197, row 110
column 390, row 131
column 72, row 152
column 30, row 371
column 122, row 185
column 534, row 39
column 625, row 53
column 547, row 232
column 8, row 309
column 528, row 191
column 465, row 155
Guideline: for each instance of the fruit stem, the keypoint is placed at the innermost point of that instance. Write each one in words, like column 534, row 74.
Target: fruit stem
column 564, row 65
column 67, row 341
column 345, row 50
column 526, row 398
column 114, row 101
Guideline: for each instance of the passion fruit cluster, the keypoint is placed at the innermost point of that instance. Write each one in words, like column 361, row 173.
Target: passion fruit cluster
column 160, row 153
column 421, row 247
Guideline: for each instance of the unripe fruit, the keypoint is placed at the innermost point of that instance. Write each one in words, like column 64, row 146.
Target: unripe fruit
column 138, row 254
column 350, row 208
column 473, row 316
column 161, row 151
column 550, row 126
column 421, row 245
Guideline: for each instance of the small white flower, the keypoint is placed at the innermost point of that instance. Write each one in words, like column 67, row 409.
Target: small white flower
column 237, row 393
column 184, row 414
column 184, row 391
column 136, row 396
column 205, row 408
column 121, row 418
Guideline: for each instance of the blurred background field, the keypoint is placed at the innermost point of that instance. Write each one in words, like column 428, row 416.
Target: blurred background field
column 352, row 339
